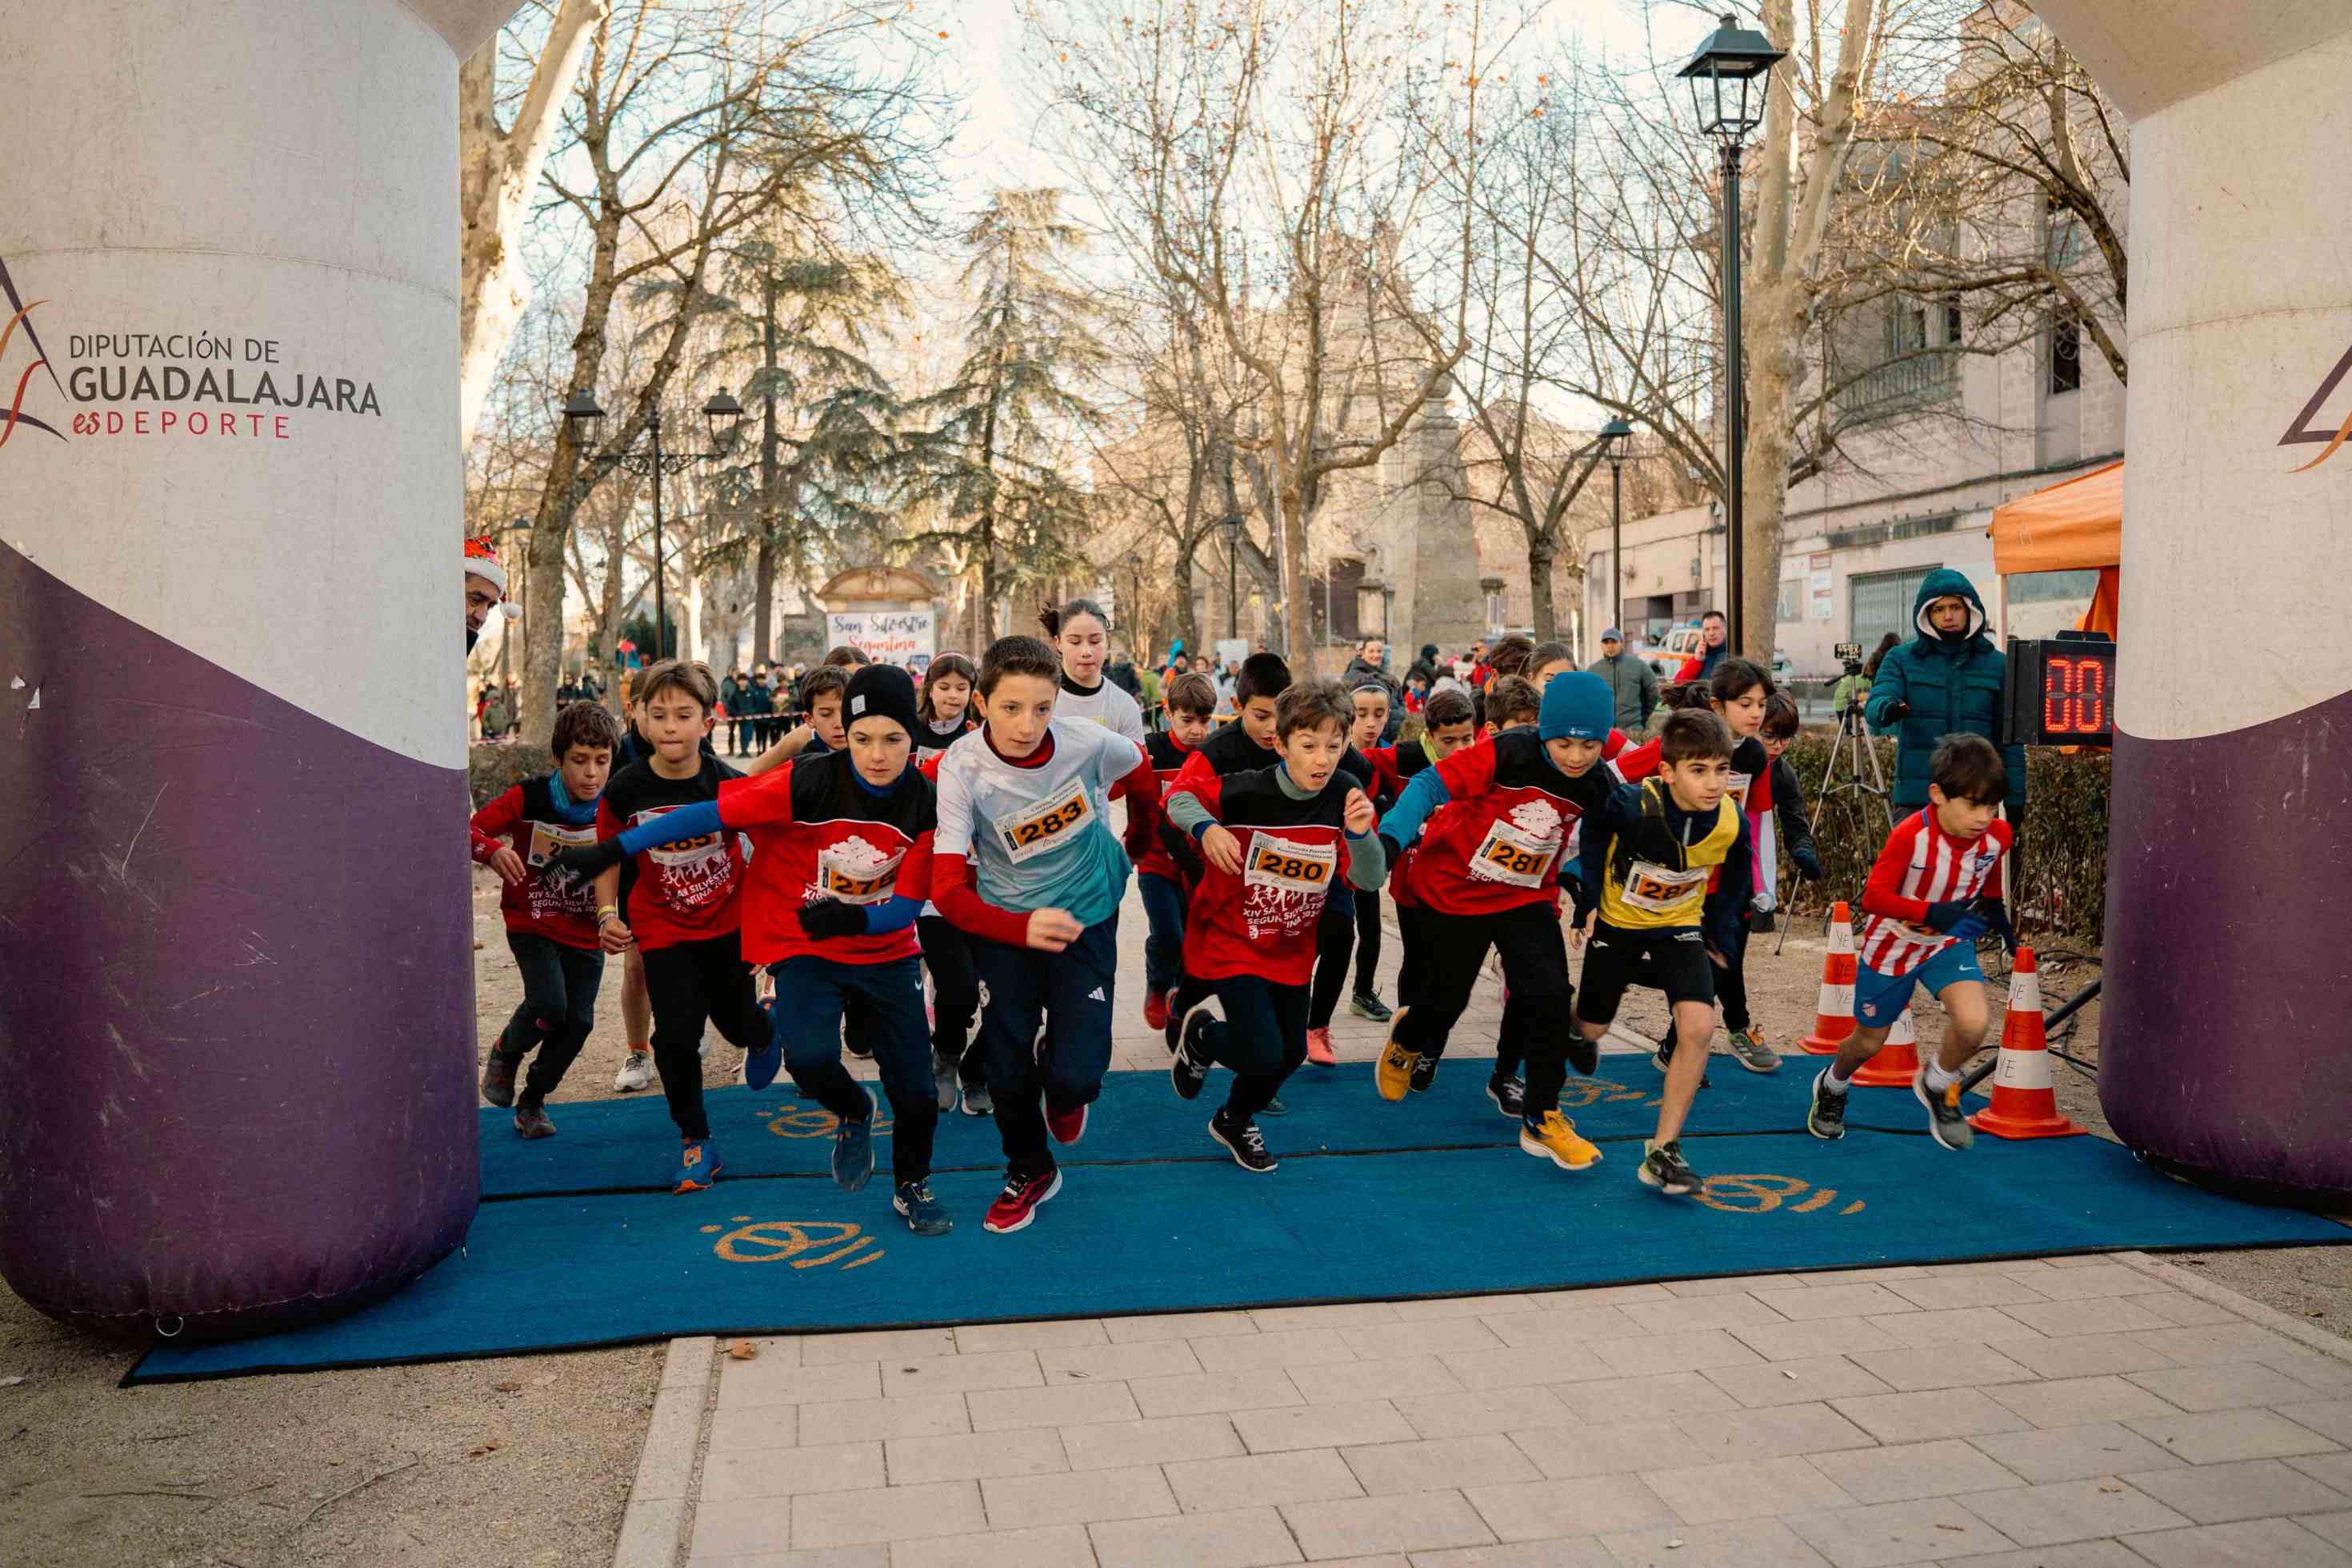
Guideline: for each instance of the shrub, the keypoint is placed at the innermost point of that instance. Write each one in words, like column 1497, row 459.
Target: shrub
column 2063, row 852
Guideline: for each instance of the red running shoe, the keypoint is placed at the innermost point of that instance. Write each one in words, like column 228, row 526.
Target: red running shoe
column 1318, row 1048
column 1016, row 1206
column 1155, row 1010
column 1066, row 1126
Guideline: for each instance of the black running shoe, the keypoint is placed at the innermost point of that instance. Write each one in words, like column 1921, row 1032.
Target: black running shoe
column 1367, row 1005
column 1424, row 1073
column 1663, row 1058
column 924, row 1214
column 1274, row 1107
column 1663, row 1167
column 1510, row 1097
column 1827, row 1118
column 1583, row 1054
column 499, row 1075
column 530, row 1118
column 1946, row 1122
column 1188, row 1070
column 1240, row 1135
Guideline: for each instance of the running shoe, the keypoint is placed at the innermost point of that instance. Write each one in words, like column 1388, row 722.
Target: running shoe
column 1155, row 1010
column 943, row 1079
column 1663, row 1058
column 698, row 1166
column 1066, row 1126
column 853, row 1149
column 856, row 1042
column 763, row 1061
column 1583, row 1054
column 1016, row 1206
column 925, row 1215
column 1318, row 1048
column 1826, row 1119
column 1425, row 1072
column 1663, row 1167
column 1188, row 1070
column 1945, row 1123
column 636, row 1069
column 1554, row 1137
column 499, row 1075
column 1274, row 1107
column 1398, row 1067
column 1749, row 1049
column 532, row 1119
column 1241, row 1137
column 1509, row 1095
column 977, row 1101
column 1367, row 1005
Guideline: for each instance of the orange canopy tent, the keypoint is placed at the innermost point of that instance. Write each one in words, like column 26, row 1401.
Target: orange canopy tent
column 2074, row 525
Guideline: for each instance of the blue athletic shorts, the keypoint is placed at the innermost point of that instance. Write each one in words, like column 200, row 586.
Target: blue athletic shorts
column 1879, row 999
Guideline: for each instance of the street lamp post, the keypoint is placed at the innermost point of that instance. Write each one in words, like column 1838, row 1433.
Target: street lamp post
column 1611, row 440
column 1728, row 89
column 1231, row 523
column 721, row 414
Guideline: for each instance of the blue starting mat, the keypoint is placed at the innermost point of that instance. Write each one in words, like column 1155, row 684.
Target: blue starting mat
column 797, row 1255
column 629, row 1145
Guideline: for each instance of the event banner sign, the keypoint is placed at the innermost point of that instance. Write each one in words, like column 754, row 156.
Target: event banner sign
column 908, row 637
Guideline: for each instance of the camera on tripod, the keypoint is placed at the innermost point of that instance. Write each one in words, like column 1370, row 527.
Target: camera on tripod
column 1849, row 654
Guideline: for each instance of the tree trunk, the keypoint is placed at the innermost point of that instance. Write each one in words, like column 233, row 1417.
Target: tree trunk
column 496, row 173
column 1776, row 367
column 763, row 575
column 1539, row 559
column 1186, row 630
column 762, row 644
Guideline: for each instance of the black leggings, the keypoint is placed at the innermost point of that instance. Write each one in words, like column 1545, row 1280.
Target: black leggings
column 1536, row 1019
column 1335, row 937
column 689, row 984
column 559, row 1007
column 1367, row 940
column 955, row 996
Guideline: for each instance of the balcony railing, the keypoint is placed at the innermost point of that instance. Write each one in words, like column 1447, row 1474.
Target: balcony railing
column 1899, row 387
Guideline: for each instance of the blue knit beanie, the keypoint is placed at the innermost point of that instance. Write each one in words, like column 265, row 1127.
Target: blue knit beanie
column 1576, row 707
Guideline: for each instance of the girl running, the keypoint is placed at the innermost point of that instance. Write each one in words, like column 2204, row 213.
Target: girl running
column 1081, row 634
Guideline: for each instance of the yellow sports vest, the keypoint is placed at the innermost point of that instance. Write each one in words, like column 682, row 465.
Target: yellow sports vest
column 1667, row 887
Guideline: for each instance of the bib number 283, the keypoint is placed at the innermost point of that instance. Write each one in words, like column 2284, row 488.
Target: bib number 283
column 1043, row 825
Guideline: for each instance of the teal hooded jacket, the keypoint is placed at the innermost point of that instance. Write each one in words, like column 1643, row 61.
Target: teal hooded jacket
column 1953, row 685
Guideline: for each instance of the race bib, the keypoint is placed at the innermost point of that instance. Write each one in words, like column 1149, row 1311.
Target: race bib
column 1044, row 825
column 1511, row 854
column 1737, row 789
column 1288, row 866
column 549, row 839
column 1654, row 887
column 855, row 877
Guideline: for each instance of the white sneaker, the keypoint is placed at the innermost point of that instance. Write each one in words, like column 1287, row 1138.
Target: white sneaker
column 637, row 1071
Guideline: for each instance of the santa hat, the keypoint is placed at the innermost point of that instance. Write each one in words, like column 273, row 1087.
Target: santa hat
column 482, row 561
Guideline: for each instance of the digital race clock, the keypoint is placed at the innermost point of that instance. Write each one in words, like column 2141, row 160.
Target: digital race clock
column 2062, row 691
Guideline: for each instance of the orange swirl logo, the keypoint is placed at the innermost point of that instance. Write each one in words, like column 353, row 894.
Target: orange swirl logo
column 2301, row 433
column 21, row 315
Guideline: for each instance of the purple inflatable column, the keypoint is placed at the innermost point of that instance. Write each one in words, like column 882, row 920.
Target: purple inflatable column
column 2225, row 1052
column 235, row 966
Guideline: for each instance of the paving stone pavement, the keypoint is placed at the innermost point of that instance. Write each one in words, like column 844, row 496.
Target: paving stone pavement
column 2095, row 1412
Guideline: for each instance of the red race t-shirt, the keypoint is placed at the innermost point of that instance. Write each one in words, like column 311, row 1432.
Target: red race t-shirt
column 817, row 834
column 1262, row 921
column 1168, row 759
column 688, row 891
column 560, row 908
column 1500, row 841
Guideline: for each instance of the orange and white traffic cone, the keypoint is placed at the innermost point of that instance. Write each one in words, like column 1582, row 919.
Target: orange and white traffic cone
column 1897, row 1061
column 1833, row 1014
column 2024, row 1105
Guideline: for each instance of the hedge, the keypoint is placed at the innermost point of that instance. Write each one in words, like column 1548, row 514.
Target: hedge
column 2065, row 852
column 492, row 768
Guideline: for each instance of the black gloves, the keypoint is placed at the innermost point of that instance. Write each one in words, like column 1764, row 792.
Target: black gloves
column 1808, row 863
column 832, row 919
column 1898, row 710
column 1957, row 919
column 1994, row 913
column 589, row 860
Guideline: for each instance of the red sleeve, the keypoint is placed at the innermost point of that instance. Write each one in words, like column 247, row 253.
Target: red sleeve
column 1196, row 767
column 1468, row 773
column 2006, row 834
column 607, row 824
column 1386, row 780
column 1615, row 745
column 493, row 822
column 1637, row 763
column 1691, row 670
column 763, row 800
column 1204, row 786
column 930, row 765
column 953, row 890
column 1141, row 786
column 1883, row 895
column 915, row 871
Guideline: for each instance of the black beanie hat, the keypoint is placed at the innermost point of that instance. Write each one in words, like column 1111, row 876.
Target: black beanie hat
column 880, row 691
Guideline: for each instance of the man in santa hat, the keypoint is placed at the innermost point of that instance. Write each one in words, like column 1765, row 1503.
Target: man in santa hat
column 485, row 588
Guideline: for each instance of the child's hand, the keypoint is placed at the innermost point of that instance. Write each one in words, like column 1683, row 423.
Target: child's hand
column 588, row 862
column 1581, row 931
column 1051, row 930
column 509, row 865
column 1360, row 817
column 1222, row 850
column 614, row 935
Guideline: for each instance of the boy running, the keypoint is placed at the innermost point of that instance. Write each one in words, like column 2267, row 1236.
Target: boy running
column 551, row 914
column 1935, row 889
column 1447, row 727
column 1640, row 903
column 1160, row 883
column 1490, row 876
column 1271, row 840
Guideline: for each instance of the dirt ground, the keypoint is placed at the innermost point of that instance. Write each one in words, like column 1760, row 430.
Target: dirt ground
column 526, row 1461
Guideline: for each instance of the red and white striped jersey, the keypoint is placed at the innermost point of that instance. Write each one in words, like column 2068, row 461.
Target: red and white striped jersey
column 1923, row 865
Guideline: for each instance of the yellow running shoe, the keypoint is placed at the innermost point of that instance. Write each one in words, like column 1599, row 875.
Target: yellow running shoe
column 1394, row 1075
column 1555, row 1138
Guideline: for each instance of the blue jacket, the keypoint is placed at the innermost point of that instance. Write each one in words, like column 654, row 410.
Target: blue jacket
column 1954, row 687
